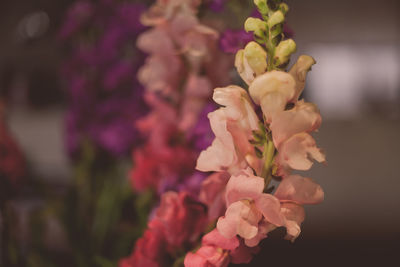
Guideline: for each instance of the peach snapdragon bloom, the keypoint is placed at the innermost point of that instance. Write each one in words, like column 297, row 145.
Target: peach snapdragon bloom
column 232, row 125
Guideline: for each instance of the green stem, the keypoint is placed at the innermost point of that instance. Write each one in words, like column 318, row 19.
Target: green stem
column 268, row 156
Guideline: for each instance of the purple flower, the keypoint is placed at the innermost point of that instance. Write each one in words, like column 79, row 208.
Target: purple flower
column 233, row 40
column 201, row 134
column 77, row 15
column 104, row 95
column 217, row 5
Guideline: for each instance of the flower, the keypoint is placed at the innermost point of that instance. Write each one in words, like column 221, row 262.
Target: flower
column 233, row 40
column 232, row 125
column 303, row 117
column 212, row 194
column 177, row 223
column 218, row 251
column 104, row 99
column 297, row 153
column 272, row 91
column 295, row 191
column 182, row 217
column 248, row 209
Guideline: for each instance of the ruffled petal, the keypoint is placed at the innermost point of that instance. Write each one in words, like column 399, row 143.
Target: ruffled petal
column 300, row 190
column 297, row 153
column 270, row 207
column 304, row 117
column 272, row 90
column 243, row 186
column 294, row 215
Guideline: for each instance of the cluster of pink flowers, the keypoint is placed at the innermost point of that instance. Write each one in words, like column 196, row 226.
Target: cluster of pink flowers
column 177, row 224
column 182, row 67
column 253, row 152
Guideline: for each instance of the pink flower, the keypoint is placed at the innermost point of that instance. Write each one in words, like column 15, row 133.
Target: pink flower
column 183, row 219
column 232, row 125
column 163, row 10
column 297, row 153
column 178, row 223
column 196, row 93
column 150, row 250
column 304, row 117
column 249, row 211
column 213, row 194
column 218, row 251
column 152, row 165
column 294, row 191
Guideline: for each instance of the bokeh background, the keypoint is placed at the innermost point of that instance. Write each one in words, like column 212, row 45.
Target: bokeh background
column 356, row 84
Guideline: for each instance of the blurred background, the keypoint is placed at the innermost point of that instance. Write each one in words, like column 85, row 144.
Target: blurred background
column 355, row 83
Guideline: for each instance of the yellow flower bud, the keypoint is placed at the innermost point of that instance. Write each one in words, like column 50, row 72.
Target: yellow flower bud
column 276, row 18
column 256, row 57
column 255, row 25
column 284, row 8
column 284, row 50
column 262, row 6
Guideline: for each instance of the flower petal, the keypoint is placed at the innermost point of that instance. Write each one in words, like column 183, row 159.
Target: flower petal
column 304, row 117
column 270, row 207
column 297, row 152
column 300, row 190
column 243, row 186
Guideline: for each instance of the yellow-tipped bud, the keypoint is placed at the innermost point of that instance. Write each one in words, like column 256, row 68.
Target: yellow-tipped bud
column 255, row 25
column 276, row 18
column 284, row 50
column 262, row 6
column 284, row 8
column 256, row 57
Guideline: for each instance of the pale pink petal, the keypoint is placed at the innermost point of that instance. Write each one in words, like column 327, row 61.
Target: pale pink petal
column 214, row 238
column 155, row 41
column 238, row 106
column 212, row 194
column 215, row 256
column 221, row 154
column 195, row 260
column 244, row 186
column 270, row 207
column 264, row 227
column 227, row 225
column 294, row 215
column 300, row 190
column 197, row 91
column 304, row 117
column 297, row 153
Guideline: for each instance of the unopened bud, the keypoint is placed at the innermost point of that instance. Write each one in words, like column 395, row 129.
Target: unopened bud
column 255, row 25
column 284, row 8
column 256, row 57
column 284, row 50
column 276, row 18
column 262, row 6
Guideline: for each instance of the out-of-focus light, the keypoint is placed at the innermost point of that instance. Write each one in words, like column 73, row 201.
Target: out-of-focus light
column 347, row 75
column 33, row 25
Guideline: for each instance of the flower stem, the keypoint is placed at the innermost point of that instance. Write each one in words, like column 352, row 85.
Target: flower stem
column 268, row 156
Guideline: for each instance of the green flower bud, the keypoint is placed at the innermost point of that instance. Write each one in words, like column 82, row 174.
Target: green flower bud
column 255, row 25
column 284, row 8
column 262, row 6
column 256, row 57
column 284, row 50
column 276, row 18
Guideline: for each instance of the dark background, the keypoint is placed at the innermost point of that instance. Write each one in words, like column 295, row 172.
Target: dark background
column 356, row 84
